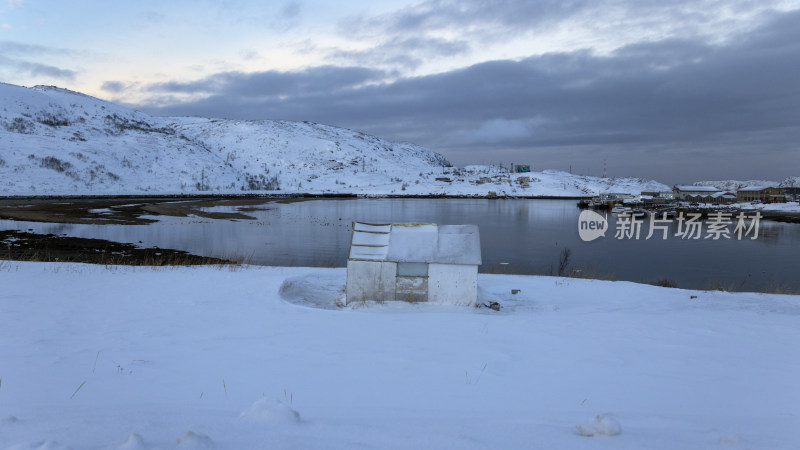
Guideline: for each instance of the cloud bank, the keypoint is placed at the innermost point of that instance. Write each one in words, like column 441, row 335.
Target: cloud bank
column 672, row 105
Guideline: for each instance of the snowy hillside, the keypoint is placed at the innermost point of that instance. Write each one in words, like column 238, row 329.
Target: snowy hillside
column 735, row 185
column 790, row 182
column 58, row 142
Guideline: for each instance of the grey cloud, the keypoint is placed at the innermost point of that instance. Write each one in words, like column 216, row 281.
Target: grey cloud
column 114, row 86
column 424, row 23
column 37, row 69
column 249, row 54
column 47, row 70
column 781, row 32
column 437, row 14
column 12, row 48
column 679, row 102
column 291, row 10
column 152, row 17
column 277, row 16
column 407, row 37
column 407, row 52
column 503, row 17
column 17, row 57
column 323, row 80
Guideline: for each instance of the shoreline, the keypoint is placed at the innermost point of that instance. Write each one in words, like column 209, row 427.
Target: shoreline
column 79, row 205
column 283, row 196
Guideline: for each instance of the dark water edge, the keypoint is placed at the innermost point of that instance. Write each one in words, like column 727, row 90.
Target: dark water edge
column 517, row 236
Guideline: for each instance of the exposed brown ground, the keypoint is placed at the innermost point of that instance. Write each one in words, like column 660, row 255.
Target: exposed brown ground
column 16, row 245
column 24, row 246
column 120, row 211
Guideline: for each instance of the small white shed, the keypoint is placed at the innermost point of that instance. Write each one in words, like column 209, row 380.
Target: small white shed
column 414, row 262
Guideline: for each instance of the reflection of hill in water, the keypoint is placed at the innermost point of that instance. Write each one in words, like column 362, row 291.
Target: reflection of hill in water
column 517, row 236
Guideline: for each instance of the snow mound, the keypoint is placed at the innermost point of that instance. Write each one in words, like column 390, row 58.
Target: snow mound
column 191, row 440
column 133, row 442
column 600, row 425
column 271, row 412
column 317, row 290
column 327, row 291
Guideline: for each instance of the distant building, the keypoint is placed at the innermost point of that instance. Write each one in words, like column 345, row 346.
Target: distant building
column 723, row 197
column 414, row 263
column 657, row 197
column 523, row 168
column 719, row 197
column 651, row 200
column 620, row 196
column 792, row 193
column 766, row 194
column 682, row 192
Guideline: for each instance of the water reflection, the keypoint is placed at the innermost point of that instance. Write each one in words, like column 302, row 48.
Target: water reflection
column 527, row 236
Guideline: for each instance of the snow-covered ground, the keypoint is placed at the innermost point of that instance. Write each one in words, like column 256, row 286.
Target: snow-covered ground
column 777, row 207
column 58, row 142
column 95, row 357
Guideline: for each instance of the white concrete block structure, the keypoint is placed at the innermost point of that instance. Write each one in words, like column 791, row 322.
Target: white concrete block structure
column 414, row 262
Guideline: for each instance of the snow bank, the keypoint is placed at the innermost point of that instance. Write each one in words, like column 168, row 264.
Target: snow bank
column 320, row 290
column 326, row 290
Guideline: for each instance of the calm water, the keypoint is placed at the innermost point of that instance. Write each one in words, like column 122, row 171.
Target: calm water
column 517, row 236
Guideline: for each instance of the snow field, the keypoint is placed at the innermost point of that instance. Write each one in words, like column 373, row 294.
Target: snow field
column 200, row 357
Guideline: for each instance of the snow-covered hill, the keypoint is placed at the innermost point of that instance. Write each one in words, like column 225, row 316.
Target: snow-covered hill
column 58, row 142
column 735, row 185
column 790, row 182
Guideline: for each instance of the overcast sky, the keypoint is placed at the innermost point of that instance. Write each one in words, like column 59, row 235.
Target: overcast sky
column 677, row 91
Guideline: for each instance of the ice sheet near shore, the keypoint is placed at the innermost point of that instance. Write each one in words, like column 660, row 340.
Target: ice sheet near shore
column 201, row 357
